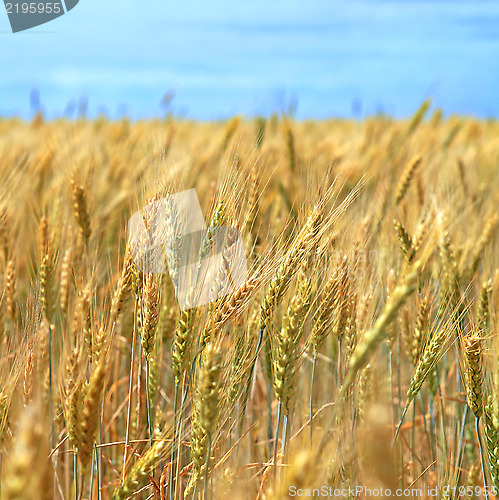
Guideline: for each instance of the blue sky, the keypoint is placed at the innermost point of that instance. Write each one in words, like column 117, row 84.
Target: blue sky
column 224, row 57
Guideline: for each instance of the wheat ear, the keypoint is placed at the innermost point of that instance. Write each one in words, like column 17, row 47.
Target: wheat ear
column 80, row 208
column 373, row 337
column 90, row 416
column 406, row 178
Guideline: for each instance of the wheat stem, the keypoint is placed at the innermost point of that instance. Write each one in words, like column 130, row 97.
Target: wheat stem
column 130, row 392
column 482, row 457
column 75, row 475
column 311, row 400
column 276, row 439
column 148, row 402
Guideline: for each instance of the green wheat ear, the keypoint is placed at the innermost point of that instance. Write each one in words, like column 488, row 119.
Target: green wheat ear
column 473, row 349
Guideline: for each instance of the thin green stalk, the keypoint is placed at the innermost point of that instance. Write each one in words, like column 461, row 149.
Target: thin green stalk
column 269, row 409
column 51, row 411
column 92, row 469
column 284, row 443
column 482, row 457
column 400, row 422
column 98, row 454
column 130, row 390
column 395, row 408
column 442, row 412
column 98, row 471
column 311, row 405
column 398, row 409
column 433, row 431
column 174, row 442
column 413, row 435
column 178, row 465
column 148, row 403
column 139, row 385
column 460, row 447
column 276, row 439
column 75, row 474
column 206, row 467
column 250, row 379
column 430, row 441
column 458, row 384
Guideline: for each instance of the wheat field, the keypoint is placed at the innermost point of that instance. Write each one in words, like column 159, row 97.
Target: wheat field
column 358, row 358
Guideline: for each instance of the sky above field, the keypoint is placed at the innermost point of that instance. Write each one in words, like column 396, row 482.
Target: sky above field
column 330, row 58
